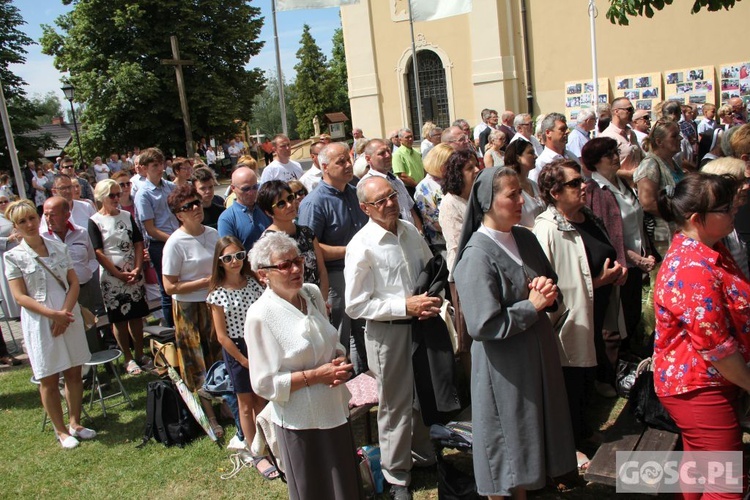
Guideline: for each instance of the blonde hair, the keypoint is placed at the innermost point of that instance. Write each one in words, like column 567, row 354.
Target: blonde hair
column 247, row 161
column 434, row 162
column 103, row 188
column 19, row 209
column 427, row 129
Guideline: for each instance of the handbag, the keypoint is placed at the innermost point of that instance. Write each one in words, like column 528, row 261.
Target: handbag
column 164, row 354
column 645, row 404
column 217, row 380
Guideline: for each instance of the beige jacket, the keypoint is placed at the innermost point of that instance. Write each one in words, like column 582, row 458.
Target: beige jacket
column 574, row 319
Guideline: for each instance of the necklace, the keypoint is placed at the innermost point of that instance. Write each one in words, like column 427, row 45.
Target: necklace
column 302, row 304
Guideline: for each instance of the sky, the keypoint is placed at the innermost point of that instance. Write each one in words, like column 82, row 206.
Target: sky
column 41, row 76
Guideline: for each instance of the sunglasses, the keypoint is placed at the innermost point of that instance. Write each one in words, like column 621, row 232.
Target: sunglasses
column 125, row 184
column 190, row 206
column 281, row 204
column 300, row 193
column 286, row 265
column 228, row 258
column 631, row 109
column 113, row 196
column 574, row 183
column 382, row 201
column 245, row 189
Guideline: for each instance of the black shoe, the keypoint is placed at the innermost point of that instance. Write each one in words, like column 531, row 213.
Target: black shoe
column 400, row 492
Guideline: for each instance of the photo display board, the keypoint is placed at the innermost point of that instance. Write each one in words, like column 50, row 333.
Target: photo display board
column 734, row 81
column 643, row 90
column 579, row 94
column 695, row 85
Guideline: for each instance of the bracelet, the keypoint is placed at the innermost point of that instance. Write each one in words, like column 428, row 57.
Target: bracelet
column 305, row 377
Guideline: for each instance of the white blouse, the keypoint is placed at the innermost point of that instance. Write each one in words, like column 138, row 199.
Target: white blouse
column 281, row 340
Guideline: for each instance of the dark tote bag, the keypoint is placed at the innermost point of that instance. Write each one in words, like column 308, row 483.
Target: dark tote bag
column 645, row 404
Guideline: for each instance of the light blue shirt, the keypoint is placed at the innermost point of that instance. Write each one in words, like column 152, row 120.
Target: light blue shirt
column 576, row 140
column 151, row 204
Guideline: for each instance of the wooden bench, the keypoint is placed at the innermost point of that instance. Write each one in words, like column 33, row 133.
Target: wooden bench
column 626, row 434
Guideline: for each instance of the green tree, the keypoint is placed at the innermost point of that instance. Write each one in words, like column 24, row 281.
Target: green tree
column 313, row 89
column 22, row 112
column 113, row 51
column 49, row 106
column 339, row 77
column 620, row 10
column 266, row 113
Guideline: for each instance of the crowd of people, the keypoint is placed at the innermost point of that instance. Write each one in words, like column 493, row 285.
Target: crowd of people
column 300, row 280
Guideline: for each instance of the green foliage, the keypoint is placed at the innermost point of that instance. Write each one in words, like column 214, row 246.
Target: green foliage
column 50, row 107
column 313, row 87
column 266, row 114
column 620, row 10
column 339, row 75
column 22, row 112
column 113, row 51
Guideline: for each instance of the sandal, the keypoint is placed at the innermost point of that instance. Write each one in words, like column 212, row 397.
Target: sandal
column 583, row 461
column 132, row 368
column 270, row 473
column 10, row 361
column 216, row 427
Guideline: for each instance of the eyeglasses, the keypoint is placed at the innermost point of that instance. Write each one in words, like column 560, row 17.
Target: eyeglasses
column 524, row 124
column 228, row 258
column 190, row 206
column 615, row 153
column 300, row 193
column 3, row 202
column 286, row 265
column 574, row 183
column 631, row 109
column 722, row 210
column 245, row 189
column 125, row 184
column 281, row 204
column 382, row 201
column 113, row 196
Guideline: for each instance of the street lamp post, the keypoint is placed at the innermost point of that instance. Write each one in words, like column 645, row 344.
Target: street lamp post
column 69, row 92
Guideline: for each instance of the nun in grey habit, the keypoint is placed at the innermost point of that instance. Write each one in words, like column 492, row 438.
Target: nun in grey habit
column 521, row 424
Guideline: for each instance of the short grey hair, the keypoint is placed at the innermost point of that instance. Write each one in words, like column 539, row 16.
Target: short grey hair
column 362, row 187
column 519, row 119
column 549, row 122
column 403, row 131
column 585, row 114
column 324, row 156
column 495, row 134
column 270, row 244
column 460, row 123
column 486, row 114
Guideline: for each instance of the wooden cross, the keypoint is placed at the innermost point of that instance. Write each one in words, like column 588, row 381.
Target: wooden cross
column 178, row 64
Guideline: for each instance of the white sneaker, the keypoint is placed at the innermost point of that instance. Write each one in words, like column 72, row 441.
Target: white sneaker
column 68, row 443
column 83, row 433
column 236, row 444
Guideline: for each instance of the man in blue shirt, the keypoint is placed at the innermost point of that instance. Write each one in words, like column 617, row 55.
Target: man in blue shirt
column 332, row 212
column 157, row 219
column 243, row 219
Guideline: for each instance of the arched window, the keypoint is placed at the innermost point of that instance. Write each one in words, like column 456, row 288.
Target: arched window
column 433, row 90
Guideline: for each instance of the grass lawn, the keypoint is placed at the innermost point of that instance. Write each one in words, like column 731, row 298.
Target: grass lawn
column 35, row 466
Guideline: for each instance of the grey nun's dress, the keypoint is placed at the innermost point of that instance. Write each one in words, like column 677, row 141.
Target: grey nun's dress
column 521, row 423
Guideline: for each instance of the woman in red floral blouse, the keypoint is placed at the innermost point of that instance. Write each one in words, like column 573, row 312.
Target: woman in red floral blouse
column 702, row 317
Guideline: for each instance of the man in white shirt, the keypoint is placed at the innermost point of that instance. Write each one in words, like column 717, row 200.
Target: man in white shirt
column 524, row 125
column 581, row 133
column 314, row 174
column 641, row 125
column 380, row 159
column 57, row 227
column 283, row 167
column 81, row 210
column 101, row 171
column 486, row 113
column 555, row 133
column 627, row 143
column 383, row 261
column 210, row 157
column 395, row 140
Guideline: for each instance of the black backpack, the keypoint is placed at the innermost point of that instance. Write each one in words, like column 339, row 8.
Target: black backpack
column 168, row 419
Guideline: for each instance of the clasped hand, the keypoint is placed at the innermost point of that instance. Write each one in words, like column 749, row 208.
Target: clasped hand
column 542, row 292
column 423, row 306
column 60, row 322
column 336, row 372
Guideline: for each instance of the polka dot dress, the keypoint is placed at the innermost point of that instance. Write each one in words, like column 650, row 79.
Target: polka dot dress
column 235, row 304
